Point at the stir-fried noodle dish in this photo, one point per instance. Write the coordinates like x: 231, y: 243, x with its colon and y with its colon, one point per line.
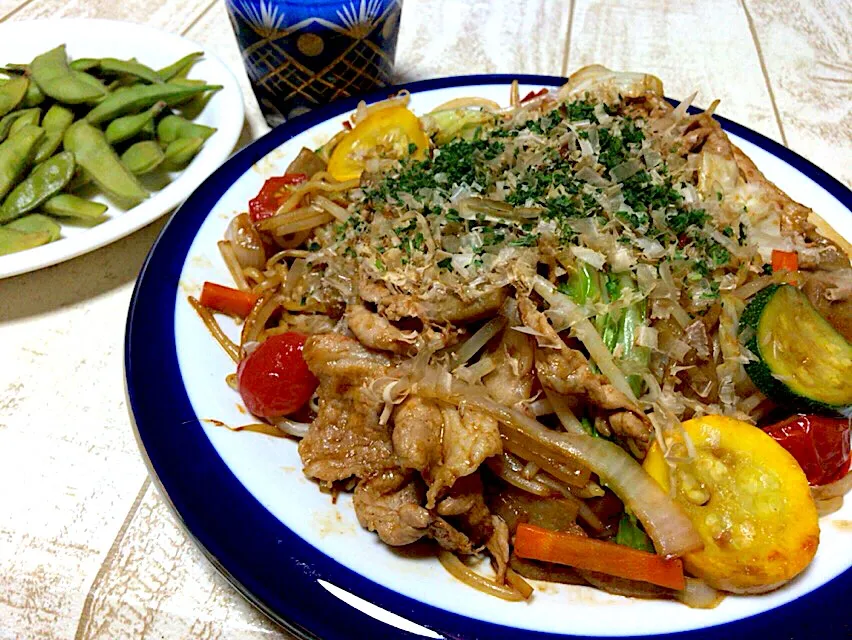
x: 579, y: 339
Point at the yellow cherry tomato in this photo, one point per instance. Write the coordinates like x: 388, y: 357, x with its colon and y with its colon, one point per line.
x: 750, y: 502
x: 386, y: 132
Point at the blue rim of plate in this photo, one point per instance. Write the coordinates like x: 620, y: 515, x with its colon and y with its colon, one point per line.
x: 269, y: 564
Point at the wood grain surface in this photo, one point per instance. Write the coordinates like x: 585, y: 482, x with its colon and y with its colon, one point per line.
x: 88, y: 549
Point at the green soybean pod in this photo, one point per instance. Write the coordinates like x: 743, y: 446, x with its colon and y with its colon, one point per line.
x: 84, y: 64
x: 46, y: 180
x: 6, y: 123
x: 127, y: 127
x: 172, y: 127
x: 55, y: 122
x: 143, y: 157
x: 16, y: 156
x: 37, y: 223
x: 92, y: 151
x: 130, y: 68
x: 12, y: 241
x: 180, y: 152
x: 12, y: 94
x: 34, y: 96
x: 179, y: 67
x: 67, y: 205
x: 25, y: 117
x: 55, y: 78
x: 138, y: 97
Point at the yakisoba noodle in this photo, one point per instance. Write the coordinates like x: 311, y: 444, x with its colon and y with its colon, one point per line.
x: 510, y: 311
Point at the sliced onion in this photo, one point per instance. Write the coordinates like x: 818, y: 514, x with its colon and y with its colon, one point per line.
x: 587, y: 334
x: 563, y: 412
x: 465, y: 574
x: 478, y: 340
x: 699, y: 595
x: 665, y: 522
x: 835, y: 489
x: 758, y: 284
x: 292, y: 428
x: 331, y: 207
x: 297, y: 272
x: 246, y: 242
x: 541, y: 407
x: 828, y: 506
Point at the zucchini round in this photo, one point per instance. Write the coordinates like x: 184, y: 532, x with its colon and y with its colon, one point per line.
x: 801, y: 359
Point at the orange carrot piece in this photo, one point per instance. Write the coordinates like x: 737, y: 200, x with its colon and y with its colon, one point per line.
x: 785, y: 260
x: 231, y: 301
x: 536, y: 543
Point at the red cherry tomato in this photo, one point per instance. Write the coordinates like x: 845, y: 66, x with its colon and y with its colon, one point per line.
x: 272, y: 194
x: 819, y: 444
x: 274, y: 380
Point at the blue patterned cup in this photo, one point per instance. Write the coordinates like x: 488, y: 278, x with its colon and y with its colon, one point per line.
x: 300, y: 55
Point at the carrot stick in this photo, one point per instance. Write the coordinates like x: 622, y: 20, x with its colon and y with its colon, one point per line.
x: 536, y: 543
x: 231, y: 301
x: 786, y: 261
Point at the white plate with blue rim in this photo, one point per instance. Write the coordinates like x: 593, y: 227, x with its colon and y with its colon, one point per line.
x: 303, y: 559
x: 21, y: 41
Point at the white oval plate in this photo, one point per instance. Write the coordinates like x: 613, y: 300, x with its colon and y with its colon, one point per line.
x: 306, y: 560
x: 20, y: 42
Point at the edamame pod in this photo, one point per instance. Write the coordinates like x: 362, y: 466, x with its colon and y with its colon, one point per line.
x: 55, y: 78
x: 92, y: 151
x: 180, y: 67
x: 67, y: 205
x: 12, y: 93
x: 34, y: 96
x: 179, y: 153
x: 172, y: 127
x: 143, y: 157
x: 131, y: 68
x: 84, y: 64
x: 12, y: 241
x: 37, y: 223
x: 127, y: 127
x: 16, y: 156
x: 139, y: 97
x: 46, y: 180
x: 55, y: 122
x: 6, y: 123
x: 25, y: 117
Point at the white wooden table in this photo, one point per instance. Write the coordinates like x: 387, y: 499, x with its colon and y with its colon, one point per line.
x: 87, y: 547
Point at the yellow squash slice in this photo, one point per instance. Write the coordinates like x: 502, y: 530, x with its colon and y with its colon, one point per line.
x: 749, y: 501
x: 391, y: 132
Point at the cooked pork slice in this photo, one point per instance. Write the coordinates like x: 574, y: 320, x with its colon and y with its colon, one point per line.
x: 390, y: 505
x: 831, y: 293
x: 567, y: 371
x: 469, y: 437
x: 345, y: 439
x: 448, y: 309
x: 377, y: 332
x: 512, y: 379
x: 417, y: 432
x: 452, y: 308
x: 498, y: 545
x: 450, y: 538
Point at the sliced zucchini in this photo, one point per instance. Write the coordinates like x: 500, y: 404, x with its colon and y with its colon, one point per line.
x: 802, y: 359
